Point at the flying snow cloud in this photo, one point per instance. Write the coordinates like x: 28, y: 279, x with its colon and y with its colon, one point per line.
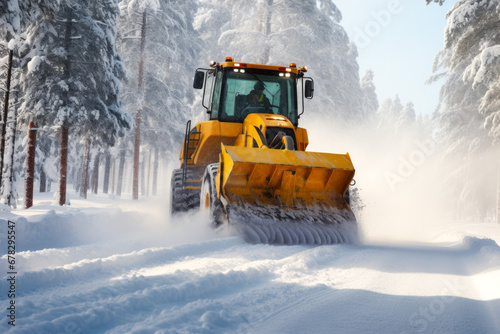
x: 400, y: 178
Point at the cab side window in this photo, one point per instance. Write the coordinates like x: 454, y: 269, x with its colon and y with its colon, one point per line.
x: 216, y: 97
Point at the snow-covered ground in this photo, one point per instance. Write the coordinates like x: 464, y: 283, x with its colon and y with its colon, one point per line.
x: 122, y: 266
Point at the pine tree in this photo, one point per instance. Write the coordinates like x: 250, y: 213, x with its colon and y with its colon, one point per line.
x: 75, y: 80
x: 470, y: 98
x: 10, y: 84
x: 438, y: 1
x: 73, y: 71
x: 471, y: 62
x: 17, y: 15
x: 407, y: 119
x: 285, y: 31
x: 170, y: 55
x: 370, y: 99
x: 389, y: 113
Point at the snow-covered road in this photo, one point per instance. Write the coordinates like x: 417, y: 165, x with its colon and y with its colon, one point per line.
x: 132, y: 274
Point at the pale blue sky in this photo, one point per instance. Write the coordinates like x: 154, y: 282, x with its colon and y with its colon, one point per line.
x: 398, y: 40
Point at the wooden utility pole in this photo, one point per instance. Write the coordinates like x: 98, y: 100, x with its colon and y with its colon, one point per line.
x: 30, y: 167
x: 5, y: 112
x: 137, y: 143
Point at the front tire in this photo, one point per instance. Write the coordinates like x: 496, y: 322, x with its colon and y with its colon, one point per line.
x: 210, y: 204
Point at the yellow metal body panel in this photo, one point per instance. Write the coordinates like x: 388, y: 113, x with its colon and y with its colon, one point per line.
x: 213, y: 133
x: 302, y: 139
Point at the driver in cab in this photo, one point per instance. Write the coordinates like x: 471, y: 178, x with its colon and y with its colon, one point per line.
x: 257, y: 98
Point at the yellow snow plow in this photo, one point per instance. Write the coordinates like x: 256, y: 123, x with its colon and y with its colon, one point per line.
x: 291, y: 179
x: 247, y: 166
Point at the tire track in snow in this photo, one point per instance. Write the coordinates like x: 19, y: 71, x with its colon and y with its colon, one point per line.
x: 98, y: 289
x: 225, y: 285
x: 94, y: 309
x: 115, y: 265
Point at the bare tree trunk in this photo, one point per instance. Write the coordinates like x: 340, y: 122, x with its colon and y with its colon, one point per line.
x: 30, y: 167
x: 155, y: 172
x: 78, y: 177
x: 266, y: 27
x: 5, y: 112
x: 11, y: 196
x: 121, y: 167
x: 95, y: 174
x: 137, y: 143
x: 63, y: 164
x: 143, y: 175
x: 85, y: 170
x: 498, y: 197
x: 43, y: 180
x: 148, y: 181
x: 137, y: 148
x: 113, y: 177
x: 107, y: 168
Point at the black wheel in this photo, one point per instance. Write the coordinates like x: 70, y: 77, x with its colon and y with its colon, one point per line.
x: 209, y: 203
x: 347, y: 197
x: 182, y: 200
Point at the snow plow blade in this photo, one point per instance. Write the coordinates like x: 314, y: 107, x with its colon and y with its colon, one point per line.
x: 273, y: 193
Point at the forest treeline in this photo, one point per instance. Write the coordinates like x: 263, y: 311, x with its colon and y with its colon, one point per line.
x: 105, y: 86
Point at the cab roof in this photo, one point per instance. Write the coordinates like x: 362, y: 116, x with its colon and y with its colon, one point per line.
x: 230, y: 63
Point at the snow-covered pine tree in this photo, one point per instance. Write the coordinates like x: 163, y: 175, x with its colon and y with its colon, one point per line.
x: 471, y: 62
x: 17, y: 15
x: 73, y: 71
x: 470, y: 98
x: 389, y: 115
x: 170, y: 57
x: 9, y: 81
x: 285, y: 31
x: 75, y: 82
x: 408, y: 117
x: 10, y: 18
x: 370, y: 99
x: 475, y: 27
x: 438, y: 1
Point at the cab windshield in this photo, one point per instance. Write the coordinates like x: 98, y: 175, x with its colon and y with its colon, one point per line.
x: 245, y: 91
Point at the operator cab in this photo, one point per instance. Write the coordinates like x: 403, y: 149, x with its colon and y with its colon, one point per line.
x: 233, y: 93
x: 232, y: 99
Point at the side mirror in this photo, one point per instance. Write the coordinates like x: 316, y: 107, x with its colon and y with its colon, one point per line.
x: 199, y: 80
x: 309, y: 89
